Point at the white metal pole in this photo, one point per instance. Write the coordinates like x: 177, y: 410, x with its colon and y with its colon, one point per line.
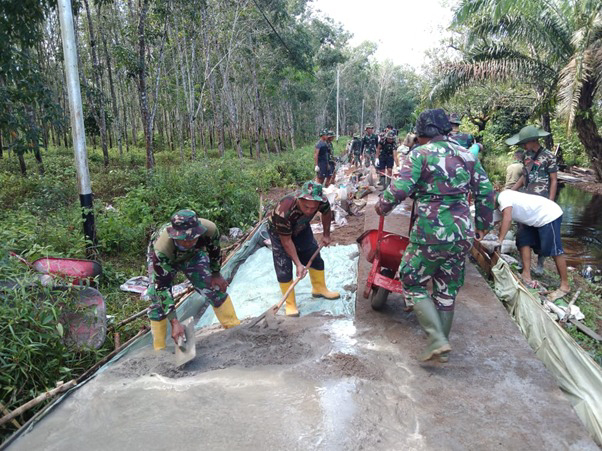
x: 77, y: 117
x: 337, y: 132
x: 362, y: 121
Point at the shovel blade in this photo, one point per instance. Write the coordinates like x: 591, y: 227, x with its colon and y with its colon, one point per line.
x: 187, y: 351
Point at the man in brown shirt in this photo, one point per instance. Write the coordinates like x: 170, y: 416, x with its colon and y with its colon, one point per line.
x: 514, y: 170
x: 293, y: 241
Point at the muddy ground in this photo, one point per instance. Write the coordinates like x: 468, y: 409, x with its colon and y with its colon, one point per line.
x: 331, y: 383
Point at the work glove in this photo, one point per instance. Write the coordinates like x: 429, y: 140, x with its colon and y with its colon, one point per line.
x: 317, y: 168
x: 376, y: 162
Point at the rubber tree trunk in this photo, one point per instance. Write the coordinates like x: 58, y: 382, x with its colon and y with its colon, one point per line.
x: 113, y: 96
x: 587, y: 129
x: 142, y: 89
x: 545, y: 123
x: 22, y: 165
x: 101, y: 115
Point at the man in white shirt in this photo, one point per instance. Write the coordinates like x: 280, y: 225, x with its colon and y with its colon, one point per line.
x: 541, y: 218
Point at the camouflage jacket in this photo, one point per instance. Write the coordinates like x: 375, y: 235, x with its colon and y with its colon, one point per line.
x: 387, y: 148
x: 538, y: 167
x: 165, y: 256
x: 464, y: 139
x: 439, y: 176
x: 369, y: 143
x: 287, y: 218
x: 356, y: 146
x: 330, y: 151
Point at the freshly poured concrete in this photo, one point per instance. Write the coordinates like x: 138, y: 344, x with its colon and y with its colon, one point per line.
x: 320, y: 382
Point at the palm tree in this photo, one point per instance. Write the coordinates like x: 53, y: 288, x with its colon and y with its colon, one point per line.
x: 554, y: 46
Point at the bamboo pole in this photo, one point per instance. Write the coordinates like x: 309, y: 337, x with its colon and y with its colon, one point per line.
x: 178, y: 299
x: 108, y: 357
x: 13, y: 421
x: 37, y: 400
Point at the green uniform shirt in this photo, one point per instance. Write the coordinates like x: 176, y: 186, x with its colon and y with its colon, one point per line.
x: 440, y: 175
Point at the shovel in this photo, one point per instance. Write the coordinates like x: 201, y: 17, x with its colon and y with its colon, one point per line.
x: 274, y: 309
x: 186, y: 347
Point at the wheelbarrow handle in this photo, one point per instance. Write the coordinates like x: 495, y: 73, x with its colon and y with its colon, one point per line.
x: 21, y: 259
x: 379, y: 236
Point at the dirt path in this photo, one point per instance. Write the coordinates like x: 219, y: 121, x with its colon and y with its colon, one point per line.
x: 319, y: 382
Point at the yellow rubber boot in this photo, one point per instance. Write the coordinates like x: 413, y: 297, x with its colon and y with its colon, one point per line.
x: 318, y: 285
x: 291, y: 304
x: 159, y: 332
x: 226, y: 315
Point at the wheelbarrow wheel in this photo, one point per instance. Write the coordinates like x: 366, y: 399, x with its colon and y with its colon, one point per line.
x: 378, y: 296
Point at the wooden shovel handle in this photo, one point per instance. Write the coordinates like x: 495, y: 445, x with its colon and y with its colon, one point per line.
x: 277, y: 306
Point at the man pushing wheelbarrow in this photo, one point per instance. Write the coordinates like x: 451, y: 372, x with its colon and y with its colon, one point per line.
x: 439, y: 174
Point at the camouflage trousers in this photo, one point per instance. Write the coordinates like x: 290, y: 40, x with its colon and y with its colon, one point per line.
x: 443, y: 263
x: 369, y: 157
x: 197, y: 271
x: 305, y: 245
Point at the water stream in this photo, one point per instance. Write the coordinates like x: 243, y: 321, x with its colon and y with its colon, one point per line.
x: 582, y: 230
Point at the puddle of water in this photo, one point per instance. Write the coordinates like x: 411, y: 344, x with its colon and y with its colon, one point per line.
x: 581, y: 228
x: 342, y: 332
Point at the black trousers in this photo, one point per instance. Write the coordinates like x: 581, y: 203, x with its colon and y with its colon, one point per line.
x: 305, y: 244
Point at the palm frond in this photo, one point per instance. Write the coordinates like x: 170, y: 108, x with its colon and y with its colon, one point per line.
x: 584, y: 64
x: 456, y: 76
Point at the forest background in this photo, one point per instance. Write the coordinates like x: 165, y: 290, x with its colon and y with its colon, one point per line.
x: 209, y: 104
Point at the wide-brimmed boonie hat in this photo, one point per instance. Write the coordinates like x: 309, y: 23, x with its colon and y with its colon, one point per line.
x: 185, y: 225
x: 526, y: 134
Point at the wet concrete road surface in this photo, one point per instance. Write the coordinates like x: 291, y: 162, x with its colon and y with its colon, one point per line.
x: 328, y: 383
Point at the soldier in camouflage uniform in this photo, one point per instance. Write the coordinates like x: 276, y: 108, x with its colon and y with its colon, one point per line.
x: 331, y: 160
x: 321, y: 158
x: 356, y: 151
x: 369, y: 143
x: 464, y: 139
x: 540, y: 171
x: 386, y: 155
x: 190, y: 245
x: 439, y: 175
x: 293, y: 241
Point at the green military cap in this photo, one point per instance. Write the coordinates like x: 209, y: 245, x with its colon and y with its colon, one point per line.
x: 312, y: 191
x: 324, y: 132
x: 454, y: 118
x: 369, y: 126
x: 185, y: 225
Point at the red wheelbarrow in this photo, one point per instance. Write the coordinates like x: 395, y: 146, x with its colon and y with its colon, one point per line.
x: 384, y: 250
x: 75, y: 271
